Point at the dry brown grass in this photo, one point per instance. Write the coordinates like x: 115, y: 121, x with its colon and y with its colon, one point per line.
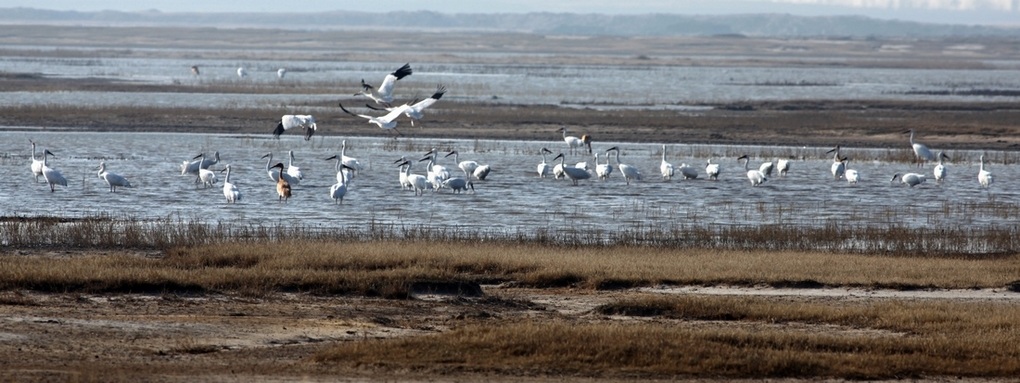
x: 863, y: 340
x: 857, y: 234
x: 392, y: 268
x: 633, y: 337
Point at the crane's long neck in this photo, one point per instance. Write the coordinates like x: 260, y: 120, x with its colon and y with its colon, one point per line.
x: 343, y: 149
x: 663, y: 153
x: 226, y: 179
x: 543, y: 157
x: 33, y: 151
x: 911, y: 137
x: 269, y: 161
x: 456, y: 157
x: 746, y: 161
x: 290, y: 161
x: 618, y: 157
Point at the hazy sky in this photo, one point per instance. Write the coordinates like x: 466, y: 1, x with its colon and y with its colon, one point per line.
x: 941, y: 11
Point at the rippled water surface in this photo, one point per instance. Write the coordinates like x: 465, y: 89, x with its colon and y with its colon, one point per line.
x: 512, y: 198
x: 545, y: 84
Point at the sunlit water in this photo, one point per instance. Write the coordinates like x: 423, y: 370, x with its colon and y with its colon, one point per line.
x: 513, y: 197
x: 516, y: 84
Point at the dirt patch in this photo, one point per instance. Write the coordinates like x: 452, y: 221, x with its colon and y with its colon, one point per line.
x: 230, y: 338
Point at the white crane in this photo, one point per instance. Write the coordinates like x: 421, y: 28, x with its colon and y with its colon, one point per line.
x: 37, y: 165
x: 766, y: 168
x: 435, y: 174
x: 51, y: 175
x: 113, y: 180
x: 629, y: 172
x: 712, y: 170
x: 921, y: 152
x: 940, y: 169
x: 418, y: 182
x: 543, y: 167
x: 468, y: 167
x: 339, y: 189
x: 912, y: 179
x: 385, y: 122
x: 294, y: 171
x: 199, y: 162
x: 571, y: 172
x: 241, y: 72
x: 557, y: 171
x: 688, y: 171
x: 290, y: 121
x: 457, y: 185
x: 384, y: 95
x: 754, y: 175
x: 481, y: 172
x: 665, y: 168
x: 441, y: 172
x: 984, y: 176
x: 416, y: 110
x: 275, y: 176
x: 230, y: 191
x: 603, y: 171
x: 351, y: 162
x: 404, y: 182
x: 838, y: 167
x: 281, y: 72
x: 572, y: 141
x: 850, y: 174
x: 205, y: 176
x: 343, y: 172
x: 783, y: 165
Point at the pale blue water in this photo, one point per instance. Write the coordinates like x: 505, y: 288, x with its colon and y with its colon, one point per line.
x: 512, y: 198
x: 515, y: 84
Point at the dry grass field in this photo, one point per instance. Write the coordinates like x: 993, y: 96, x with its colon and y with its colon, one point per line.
x: 97, y: 301
x: 184, y: 303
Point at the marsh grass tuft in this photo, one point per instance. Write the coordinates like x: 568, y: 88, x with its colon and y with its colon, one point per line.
x: 774, y: 339
x: 108, y: 232
x: 397, y: 269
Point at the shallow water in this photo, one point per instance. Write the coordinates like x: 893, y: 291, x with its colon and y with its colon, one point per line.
x: 513, y: 198
x: 515, y: 84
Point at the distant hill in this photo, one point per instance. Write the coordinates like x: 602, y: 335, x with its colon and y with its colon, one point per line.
x: 755, y: 25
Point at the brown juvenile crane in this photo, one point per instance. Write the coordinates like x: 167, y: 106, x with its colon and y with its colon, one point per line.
x: 282, y: 186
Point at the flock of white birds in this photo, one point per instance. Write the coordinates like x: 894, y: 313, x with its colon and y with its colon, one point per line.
x: 438, y: 177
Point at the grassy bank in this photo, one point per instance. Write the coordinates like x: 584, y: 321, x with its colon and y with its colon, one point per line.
x: 723, y: 338
x: 510, y: 332
x: 256, y: 260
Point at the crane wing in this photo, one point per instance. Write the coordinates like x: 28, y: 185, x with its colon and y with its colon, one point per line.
x: 386, y: 88
x: 440, y: 91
